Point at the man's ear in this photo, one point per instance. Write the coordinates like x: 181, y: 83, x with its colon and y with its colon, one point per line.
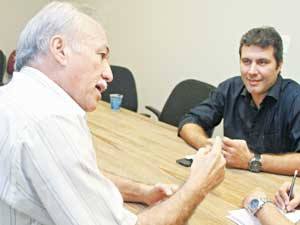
x: 279, y: 66
x: 57, y: 47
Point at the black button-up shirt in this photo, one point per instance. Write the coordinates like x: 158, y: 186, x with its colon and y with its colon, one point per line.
x: 274, y: 127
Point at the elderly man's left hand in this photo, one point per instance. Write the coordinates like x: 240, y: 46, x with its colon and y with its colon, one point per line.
x: 236, y: 153
x: 159, y: 192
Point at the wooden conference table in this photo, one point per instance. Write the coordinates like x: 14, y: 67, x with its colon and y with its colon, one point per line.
x: 134, y: 146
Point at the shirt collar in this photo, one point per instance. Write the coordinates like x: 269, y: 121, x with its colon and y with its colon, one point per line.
x: 43, y: 80
x: 273, y: 92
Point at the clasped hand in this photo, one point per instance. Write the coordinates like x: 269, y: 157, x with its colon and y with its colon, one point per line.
x: 236, y: 153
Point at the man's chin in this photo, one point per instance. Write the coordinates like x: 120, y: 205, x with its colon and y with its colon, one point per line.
x: 257, y: 92
x: 90, y: 108
x: 253, y: 89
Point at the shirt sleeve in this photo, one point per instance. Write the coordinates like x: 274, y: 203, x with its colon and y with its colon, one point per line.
x: 295, y: 124
x: 58, y: 161
x: 207, y: 114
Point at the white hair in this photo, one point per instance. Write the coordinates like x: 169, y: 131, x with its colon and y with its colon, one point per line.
x: 56, y: 18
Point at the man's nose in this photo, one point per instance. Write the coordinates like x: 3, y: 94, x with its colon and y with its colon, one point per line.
x: 253, y: 68
x: 107, y: 73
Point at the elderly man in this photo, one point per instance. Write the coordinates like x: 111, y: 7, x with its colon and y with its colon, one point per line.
x: 48, y: 170
x: 261, y: 110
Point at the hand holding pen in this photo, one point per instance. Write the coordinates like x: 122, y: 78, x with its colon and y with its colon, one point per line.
x: 286, y: 197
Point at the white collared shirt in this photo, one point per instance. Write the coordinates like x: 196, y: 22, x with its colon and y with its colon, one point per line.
x: 48, y: 170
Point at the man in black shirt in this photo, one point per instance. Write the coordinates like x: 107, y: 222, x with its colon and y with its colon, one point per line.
x: 261, y: 110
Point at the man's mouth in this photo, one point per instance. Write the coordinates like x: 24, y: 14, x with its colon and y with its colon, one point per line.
x: 99, y: 88
x: 253, y: 82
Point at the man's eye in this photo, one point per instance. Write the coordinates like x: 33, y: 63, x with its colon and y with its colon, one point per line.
x: 262, y: 62
x: 102, y: 55
x: 246, y: 61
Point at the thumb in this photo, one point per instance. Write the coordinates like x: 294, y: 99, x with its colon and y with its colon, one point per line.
x: 166, y: 189
x: 292, y: 204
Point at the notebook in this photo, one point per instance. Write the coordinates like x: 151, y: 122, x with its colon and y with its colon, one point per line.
x: 242, y: 217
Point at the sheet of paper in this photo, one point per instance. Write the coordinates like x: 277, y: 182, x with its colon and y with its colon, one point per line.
x: 242, y: 217
x: 293, y: 216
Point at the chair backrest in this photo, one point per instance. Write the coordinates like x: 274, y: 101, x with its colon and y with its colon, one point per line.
x: 11, y: 63
x: 123, y: 83
x: 2, y: 66
x: 184, y: 96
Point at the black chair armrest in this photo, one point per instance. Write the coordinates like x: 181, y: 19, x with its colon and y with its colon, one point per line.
x: 154, y: 110
x: 146, y: 114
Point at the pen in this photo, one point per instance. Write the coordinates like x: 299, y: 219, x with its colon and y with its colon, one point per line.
x: 292, y: 185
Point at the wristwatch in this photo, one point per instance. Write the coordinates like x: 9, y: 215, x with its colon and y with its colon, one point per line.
x: 255, y: 205
x: 255, y: 163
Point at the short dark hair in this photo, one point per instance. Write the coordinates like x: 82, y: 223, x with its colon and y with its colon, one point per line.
x: 264, y: 37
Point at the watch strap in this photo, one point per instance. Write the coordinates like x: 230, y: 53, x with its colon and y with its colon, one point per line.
x: 257, y: 156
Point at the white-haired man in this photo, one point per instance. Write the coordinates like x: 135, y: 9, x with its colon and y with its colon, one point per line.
x: 48, y: 171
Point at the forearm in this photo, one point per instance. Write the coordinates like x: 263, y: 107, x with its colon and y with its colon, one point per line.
x: 270, y: 215
x: 281, y: 164
x: 194, y: 135
x: 176, y: 210
x: 131, y: 191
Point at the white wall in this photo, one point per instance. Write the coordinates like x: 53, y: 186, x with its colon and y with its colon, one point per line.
x: 166, y: 41
x: 14, y: 15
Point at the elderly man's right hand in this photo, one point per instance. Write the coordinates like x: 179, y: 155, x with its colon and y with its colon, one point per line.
x: 208, y: 168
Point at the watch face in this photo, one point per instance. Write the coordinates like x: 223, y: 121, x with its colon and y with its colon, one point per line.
x: 254, y: 203
x: 255, y: 166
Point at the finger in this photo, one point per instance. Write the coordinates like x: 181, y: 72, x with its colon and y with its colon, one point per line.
x: 217, y: 145
x: 215, y: 154
x: 205, y: 149
x: 200, y: 152
x: 245, y: 201
x: 166, y: 189
x: 170, y: 189
x: 225, y: 154
x: 174, y: 188
x: 227, y: 141
x: 285, y: 187
x: 210, y: 141
x: 283, y: 192
x: 279, y: 201
x: 228, y: 149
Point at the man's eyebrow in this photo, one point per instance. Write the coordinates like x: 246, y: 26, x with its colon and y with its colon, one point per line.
x: 105, y: 49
